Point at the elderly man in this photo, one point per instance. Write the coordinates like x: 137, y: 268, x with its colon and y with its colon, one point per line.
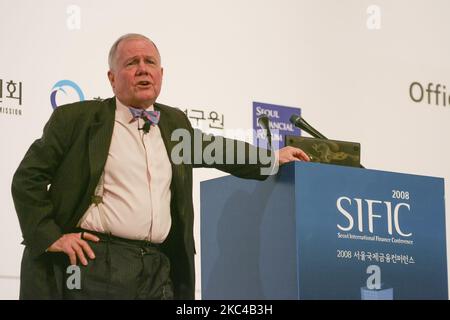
x: 100, y: 190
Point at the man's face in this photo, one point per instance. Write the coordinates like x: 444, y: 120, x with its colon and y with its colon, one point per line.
x: 136, y: 73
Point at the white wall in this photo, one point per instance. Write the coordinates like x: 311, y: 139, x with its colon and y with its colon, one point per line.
x: 352, y: 82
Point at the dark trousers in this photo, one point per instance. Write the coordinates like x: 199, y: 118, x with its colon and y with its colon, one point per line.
x: 122, y: 269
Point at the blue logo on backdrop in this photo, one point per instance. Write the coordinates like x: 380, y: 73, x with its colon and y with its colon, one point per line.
x: 279, y: 123
x: 62, y: 86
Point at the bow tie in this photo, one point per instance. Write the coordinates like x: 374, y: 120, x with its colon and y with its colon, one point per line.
x: 149, y: 117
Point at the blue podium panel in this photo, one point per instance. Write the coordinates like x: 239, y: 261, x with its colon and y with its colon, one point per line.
x: 324, y: 232
x: 248, y: 238
x: 349, y: 219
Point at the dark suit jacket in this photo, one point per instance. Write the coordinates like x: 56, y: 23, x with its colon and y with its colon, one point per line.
x: 53, y: 186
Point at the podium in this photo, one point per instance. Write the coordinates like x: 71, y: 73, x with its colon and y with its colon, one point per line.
x: 317, y: 231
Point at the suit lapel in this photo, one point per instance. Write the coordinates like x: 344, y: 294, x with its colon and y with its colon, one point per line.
x: 99, y: 139
x: 100, y: 134
x: 167, y: 126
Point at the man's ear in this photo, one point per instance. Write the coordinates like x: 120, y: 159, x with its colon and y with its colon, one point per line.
x: 111, y: 78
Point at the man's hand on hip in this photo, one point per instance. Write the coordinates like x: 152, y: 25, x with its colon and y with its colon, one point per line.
x: 74, y: 245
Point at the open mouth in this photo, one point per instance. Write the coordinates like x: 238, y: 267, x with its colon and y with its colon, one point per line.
x: 144, y: 83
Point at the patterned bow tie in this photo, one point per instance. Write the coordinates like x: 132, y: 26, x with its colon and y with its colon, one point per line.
x: 149, y: 117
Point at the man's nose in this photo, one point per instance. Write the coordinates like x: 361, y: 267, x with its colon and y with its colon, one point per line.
x: 142, y: 68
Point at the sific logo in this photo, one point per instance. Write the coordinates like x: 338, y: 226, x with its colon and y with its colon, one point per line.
x: 69, y: 88
x: 371, y: 218
x: 389, y: 212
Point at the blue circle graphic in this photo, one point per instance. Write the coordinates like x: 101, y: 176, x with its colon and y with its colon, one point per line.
x: 59, y: 86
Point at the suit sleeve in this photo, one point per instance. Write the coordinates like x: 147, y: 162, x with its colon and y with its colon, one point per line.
x: 236, y: 157
x: 31, y: 182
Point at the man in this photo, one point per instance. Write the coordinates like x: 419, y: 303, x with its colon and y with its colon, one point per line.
x: 100, y: 189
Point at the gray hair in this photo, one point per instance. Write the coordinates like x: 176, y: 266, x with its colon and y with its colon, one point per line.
x: 113, y: 50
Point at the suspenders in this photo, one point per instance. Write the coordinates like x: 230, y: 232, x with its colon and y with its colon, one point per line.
x: 97, y: 198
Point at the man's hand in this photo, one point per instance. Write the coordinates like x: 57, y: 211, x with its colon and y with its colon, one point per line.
x: 288, y: 154
x: 74, y: 246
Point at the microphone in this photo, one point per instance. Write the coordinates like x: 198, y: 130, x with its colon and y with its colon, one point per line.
x: 299, y: 122
x: 146, y: 126
x: 264, y: 123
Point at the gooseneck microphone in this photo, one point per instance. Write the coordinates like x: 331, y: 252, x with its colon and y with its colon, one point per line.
x: 264, y: 123
x: 299, y: 122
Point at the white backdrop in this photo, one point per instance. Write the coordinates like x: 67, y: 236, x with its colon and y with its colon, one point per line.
x: 348, y: 64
